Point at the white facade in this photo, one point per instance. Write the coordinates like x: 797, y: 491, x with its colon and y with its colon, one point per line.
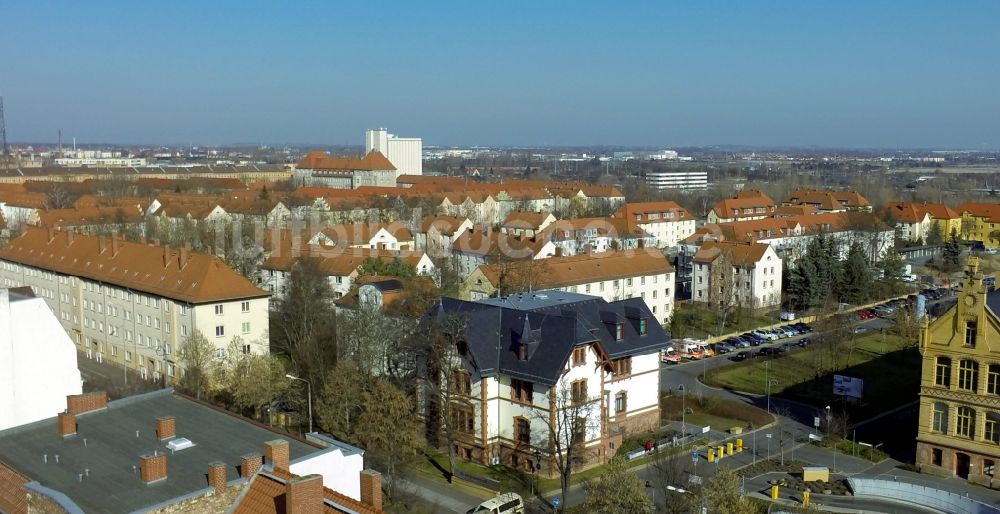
x: 37, y: 361
x: 656, y: 290
x: 405, y: 153
x: 756, y: 285
x: 139, y: 330
x: 340, y: 465
x: 668, y: 232
x: 677, y: 179
x: 110, y: 162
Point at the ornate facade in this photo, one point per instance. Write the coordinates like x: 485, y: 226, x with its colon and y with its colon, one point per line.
x: 959, y: 427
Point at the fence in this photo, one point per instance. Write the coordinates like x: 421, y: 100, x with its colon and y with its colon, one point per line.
x: 920, y: 495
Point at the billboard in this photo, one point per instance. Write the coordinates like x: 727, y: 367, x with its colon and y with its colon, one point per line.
x: 848, y: 386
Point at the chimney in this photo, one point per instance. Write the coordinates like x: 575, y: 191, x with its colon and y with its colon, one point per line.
x: 217, y: 476
x: 101, y: 244
x: 304, y: 495
x: 67, y: 424
x: 559, y: 251
x: 80, y: 403
x: 166, y: 255
x: 142, y: 239
x: 166, y: 428
x: 69, y: 238
x: 588, y: 249
x: 371, y: 489
x: 276, y: 454
x: 250, y: 464
x: 522, y: 352
x: 116, y: 244
x: 52, y: 233
x: 184, y: 254
x: 642, y: 243
x: 153, y: 467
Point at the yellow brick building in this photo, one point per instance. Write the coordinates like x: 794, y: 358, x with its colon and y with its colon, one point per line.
x: 959, y: 428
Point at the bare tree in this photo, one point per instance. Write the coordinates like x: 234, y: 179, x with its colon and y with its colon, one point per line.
x: 723, y: 288
x: 567, y: 422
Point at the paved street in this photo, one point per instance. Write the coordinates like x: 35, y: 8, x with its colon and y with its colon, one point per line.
x: 789, y: 439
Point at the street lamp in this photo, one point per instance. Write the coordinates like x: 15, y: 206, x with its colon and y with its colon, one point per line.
x: 768, y: 436
x: 309, y: 396
x: 770, y: 383
x: 683, y: 410
x: 829, y: 430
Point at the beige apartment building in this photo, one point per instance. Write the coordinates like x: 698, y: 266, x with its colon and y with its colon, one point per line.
x: 136, y: 304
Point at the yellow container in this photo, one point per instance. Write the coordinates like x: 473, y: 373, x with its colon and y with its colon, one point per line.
x: 774, y: 492
x: 711, y: 455
x: 739, y: 445
x: 805, y: 498
x: 729, y: 448
x: 722, y: 451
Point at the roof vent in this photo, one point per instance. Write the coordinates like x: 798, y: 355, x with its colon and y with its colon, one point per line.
x: 180, y: 443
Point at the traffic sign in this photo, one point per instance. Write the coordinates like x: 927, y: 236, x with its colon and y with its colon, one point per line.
x: 555, y: 501
x: 694, y: 456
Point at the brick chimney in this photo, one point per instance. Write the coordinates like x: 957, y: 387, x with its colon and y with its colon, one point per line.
x: 304, y: 495
x: 166, y: 255
x: 69, y: 238
x: 217, y: 476
x: 102, y: 244
x: 371, y: 488
x: 153, y: 467
x: 80, y: 403
x: 67, y: 424
x: 276, y: 453
x: 52, y: 233
x: 185, y: 251
x: 166, y: 428
x: 116, y: 244
x: 250, y: 464
x: 559, y: 251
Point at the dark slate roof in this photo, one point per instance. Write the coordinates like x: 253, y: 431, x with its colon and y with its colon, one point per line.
x: 552, y: 324
x: 113, y: 449
x: 993, y: 301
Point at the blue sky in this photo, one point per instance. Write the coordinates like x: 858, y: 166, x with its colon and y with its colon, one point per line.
x: 766, y: 73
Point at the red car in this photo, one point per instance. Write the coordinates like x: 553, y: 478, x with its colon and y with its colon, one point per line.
x: 670, y: 357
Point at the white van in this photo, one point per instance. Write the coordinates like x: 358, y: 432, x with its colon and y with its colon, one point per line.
x: 506, y: 503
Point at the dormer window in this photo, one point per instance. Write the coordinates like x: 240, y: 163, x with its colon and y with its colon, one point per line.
x: 642, y: 326
x: 619, y: 331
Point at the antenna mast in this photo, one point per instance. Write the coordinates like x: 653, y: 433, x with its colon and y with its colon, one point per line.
x: 4, y: 151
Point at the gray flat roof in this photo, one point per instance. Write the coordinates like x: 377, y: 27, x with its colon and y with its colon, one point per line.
x: 113, y: 449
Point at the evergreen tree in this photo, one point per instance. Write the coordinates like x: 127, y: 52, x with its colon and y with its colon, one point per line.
x: 952, y: 253
x: 934, y: 235
x: 855, y: 276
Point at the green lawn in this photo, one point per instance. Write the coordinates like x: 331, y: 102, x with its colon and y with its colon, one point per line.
x: 890, y: 372
x: 700, y: 322
x: 848, y: 447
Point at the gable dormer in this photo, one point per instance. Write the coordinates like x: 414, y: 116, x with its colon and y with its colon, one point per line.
x: 615, y: 323
x: 528, y: 340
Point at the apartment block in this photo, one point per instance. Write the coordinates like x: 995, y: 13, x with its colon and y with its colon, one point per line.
x: 136, y: 304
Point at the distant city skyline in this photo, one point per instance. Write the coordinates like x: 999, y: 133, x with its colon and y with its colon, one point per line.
x: 876, y: 75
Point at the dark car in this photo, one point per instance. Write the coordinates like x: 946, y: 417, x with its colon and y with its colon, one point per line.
x: 803, y: 342
x: 753, y: 337
x: 741, y: 356
x: 721, y: 348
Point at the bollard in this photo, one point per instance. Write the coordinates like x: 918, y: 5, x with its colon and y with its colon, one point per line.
x: 739, y: 445
x: 711, y: 455
x: 774, y: 492
x: 729, y: 448
x: 722, y: 451
x: 805, y: 498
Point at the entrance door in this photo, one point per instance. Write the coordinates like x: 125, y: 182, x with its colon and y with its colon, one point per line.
x: 962, y: 465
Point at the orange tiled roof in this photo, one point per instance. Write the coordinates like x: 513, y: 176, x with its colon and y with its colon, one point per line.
x: 526, y: 219
x: 151, y: 269
x: 89, y: 216
x: 827, y: 199
x: 905, y: 212
x: 488, y: 242
x: 940, y: 211
x: 362, y: 233
x: 323, y: 161
x: 990, y: 211
x: 743, y: 254
x: 444, y: 224
x: 585, y: 268
x: 727, y: 208
x: 612, y: 227
x: 643, y: 210
x: 266, y: 495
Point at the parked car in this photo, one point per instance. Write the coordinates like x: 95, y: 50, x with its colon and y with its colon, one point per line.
x: 860, y: 330
x: 737, y: 342
x: 803, y: 342
x: 806, y: 328
x: 722, y: 348
x: 741, y: 356
x: 753, y: 336
x: 670, y: 357
x: 766, y: 334
x: 787, y: 316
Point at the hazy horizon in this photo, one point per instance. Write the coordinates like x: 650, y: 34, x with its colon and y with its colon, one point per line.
x: 785, y: 75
